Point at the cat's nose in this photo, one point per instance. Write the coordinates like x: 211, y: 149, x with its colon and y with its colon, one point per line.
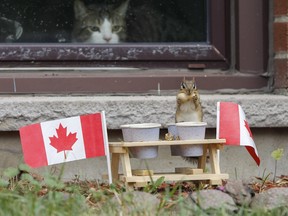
x: 107, y: 38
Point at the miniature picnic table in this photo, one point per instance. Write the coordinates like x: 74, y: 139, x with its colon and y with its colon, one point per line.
x: 120, y: 151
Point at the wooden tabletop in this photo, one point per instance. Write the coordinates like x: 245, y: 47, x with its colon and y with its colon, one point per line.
x: 165, y: 142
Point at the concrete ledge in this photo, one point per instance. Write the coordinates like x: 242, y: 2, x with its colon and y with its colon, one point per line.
x: 263, y: 110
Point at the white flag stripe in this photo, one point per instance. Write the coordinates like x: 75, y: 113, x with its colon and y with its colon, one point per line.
x: 49, y: 130
x: 245, y: 137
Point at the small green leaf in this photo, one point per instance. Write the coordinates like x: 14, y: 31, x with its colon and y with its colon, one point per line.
x: 3, y: 183
x: 54, y: 183
x: 159, y: 181
x: 11, y: 172
x: 24, y: 167
x: 277, y: 154
x: 30, y: 179
x: 27, y: 177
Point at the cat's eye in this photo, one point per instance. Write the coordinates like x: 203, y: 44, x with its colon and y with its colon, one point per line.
x: 94, y: 28
x: 116, y: 28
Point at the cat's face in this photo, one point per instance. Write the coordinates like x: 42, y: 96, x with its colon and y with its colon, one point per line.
x: 99, y: 23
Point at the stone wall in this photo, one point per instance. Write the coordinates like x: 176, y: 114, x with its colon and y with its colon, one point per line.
x: 262, y: 110
x: 267, y: 115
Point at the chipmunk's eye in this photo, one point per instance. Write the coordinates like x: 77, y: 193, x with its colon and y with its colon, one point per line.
x: 183, y: 85
x: 194, y: 86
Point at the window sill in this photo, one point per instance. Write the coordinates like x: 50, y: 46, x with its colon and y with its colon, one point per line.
x: 262, y: 110
x: 121, y: 81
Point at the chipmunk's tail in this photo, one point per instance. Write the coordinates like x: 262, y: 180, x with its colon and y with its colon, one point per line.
x: 194, y: 160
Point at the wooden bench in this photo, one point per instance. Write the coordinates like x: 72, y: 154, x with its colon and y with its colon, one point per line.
x: 120, y: 152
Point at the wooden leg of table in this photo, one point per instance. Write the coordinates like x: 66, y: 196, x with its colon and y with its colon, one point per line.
x: 215, y: 168
x: 115, y: 166
x: 127, y: 171
x: 202, y: 159
x: 126, y: 165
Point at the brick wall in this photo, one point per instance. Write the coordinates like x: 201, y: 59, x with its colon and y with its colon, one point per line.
x: 281, y: 43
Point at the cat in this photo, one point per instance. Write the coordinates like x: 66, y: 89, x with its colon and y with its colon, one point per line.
x: 99, y: 23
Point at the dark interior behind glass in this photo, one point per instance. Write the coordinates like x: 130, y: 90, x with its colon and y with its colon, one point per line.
x: 51, y: 21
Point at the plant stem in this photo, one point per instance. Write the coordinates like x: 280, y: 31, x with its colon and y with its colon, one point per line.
x: 275, y: 169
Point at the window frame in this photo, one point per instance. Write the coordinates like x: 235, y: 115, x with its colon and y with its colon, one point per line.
x: 161, y: 64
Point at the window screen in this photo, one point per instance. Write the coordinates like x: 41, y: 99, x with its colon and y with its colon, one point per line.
x: 112, y: 21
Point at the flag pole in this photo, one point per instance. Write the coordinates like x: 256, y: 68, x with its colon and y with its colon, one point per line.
x: 217, y: 130
x: 106, y: 145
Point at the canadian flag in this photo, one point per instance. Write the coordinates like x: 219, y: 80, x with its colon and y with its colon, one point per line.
x: 232, y: 126
x: 64, y: 140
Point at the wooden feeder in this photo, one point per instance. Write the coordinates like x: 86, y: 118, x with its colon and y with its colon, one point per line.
x: 120, y: 152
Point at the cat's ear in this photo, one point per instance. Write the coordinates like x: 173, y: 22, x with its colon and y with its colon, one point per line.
x: 121, y: 10
x: 79, y: 9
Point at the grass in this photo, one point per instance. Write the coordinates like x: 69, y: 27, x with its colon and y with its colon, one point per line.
x: 24, y: 193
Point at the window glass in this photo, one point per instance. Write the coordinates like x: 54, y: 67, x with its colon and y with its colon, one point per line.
x: 100, y: 21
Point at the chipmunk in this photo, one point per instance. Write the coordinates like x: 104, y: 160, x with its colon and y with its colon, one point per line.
x: 188, y: 103
x: 189, y: 107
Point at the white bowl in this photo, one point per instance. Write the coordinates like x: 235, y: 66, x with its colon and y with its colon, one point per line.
x: 190, y: 131
x: 139, y: 133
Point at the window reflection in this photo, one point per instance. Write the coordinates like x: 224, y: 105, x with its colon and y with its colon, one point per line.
x: 100, y: 21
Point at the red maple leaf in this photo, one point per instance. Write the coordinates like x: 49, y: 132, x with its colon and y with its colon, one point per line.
x: 248, y: 128
x: 63, y: 142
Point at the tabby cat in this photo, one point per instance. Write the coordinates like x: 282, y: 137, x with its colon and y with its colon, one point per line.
x: 99, y: 23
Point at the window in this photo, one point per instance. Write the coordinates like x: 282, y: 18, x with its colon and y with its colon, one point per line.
x: 43, y: 50
x: 35, y: 21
